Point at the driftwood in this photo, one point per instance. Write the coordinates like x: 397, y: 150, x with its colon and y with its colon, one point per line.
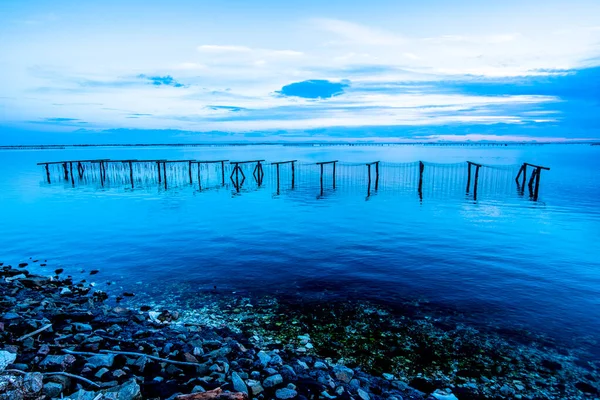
x: 174, y: 362
x: 216, y: 394
x: 43, y: 328
x: 81, y: 378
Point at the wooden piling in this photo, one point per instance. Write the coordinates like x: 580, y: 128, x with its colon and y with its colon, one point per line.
x: 80, y: 169
x: 222, y: 173
x: 369, y: 181
x: 277, y: 167
x: 538, y: 172
x: 47, y: 172
x: 376, y: 175
x: 190, y: 172
x: 321, y: 179
x: 476, y: 181
x: 421, y: 169
x: 66, y: 171
x: 71, y: 171
x: 131, y: 173
x: 165, y: 173
x: 293, y: 175
x: 469, y: 177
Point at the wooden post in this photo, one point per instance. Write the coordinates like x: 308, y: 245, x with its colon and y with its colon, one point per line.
x: 321, y: 179
x: 190, y: 171
x: 369, y: 184
x: 80, y: 169
x: 72, y: 177
x: 469, y: 177
x: 538, y: 172
x: 199, y: 181
x: 524, y: 177
x: 293, y: 175
x: 277, y: 167
x: 47, y: 172
x: 158, y: 169
x: 476, y: 181
x: 421, y: 169
x: 101, y: 166
x: 376, y: 176
x: 131, y: 173
x: 66, y: 171
x: 334, y: 163
x: 530, y: 184
x: 222, y: 173
x: 165, y: 173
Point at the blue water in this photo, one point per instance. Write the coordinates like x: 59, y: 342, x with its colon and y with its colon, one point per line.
x: 502, y: 259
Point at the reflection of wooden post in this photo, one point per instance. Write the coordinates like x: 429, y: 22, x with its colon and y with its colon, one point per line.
x: 47, y: 173
x: 66, y: 171
x: 80, y: 169
x: 421, y: 169
x: 131, y: 173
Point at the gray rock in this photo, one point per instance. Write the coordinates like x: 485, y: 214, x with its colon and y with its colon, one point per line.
x: 52, y: 389
x: 363, y: 395
x: 6, y: 358
x: 273, y: 380
x: 128, y: 391
x: 10, y: 316
x: 33, y: 383
x: 276, y: 360
x: 441, y: 395
x: 264, y: 358
x: 57, y: 361
x: 507, y: 391
x: 388, y: 377
x: 65, y: 291
x: 100, y: 360
x: 255, y: 386
x: 81, y: 327
x: 198, y: 389
x: 355, y: 383
x: 285, y: 393
x: 101, y: 372
x: 238, y: 383
x: 320, y: 365
x: 288, y: 373
x: 343, y: 373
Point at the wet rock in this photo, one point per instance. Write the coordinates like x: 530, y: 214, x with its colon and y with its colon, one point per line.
x: 94, y: 272
x: 52, y: 389
x: 285, y: 393
x: 288, y: 373
x: 363, y: 395
x: 23, y: 265
x: 238, y: 383
x: 343, y: 373
x: 255, y: 386
x: 6, y: 358
x: 33, y: 383
x: 66, y: 291
x: 264, y: 358
x: 441, y: 395
x: 57, y: 361
x: 81, y: 327
x: 273, y: 380
x: 320, y: 365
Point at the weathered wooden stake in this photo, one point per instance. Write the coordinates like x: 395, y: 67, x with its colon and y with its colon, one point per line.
x: 47, y: 173
x: 277, y: 167
x: 334, y: 163
x: 165, y: 173
x: 476, y: 181
x: 199, y: 181
x: 421, y: 169
x: 80, y: 169
x: 66, y: 171
x: 369, y: 183
x: 158, y: 169
x: 321, y: 179
x: 190, y: 171
x: 222, y: 173
x: 377, y: 176
x: 131, y: 173
x: 293, y: 175
x: 71, y: 171
x: 538, y: 172
x: 469, y: 177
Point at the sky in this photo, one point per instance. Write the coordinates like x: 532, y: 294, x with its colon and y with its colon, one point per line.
x: 264, y: 70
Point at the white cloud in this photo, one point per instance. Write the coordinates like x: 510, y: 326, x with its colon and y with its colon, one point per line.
x: 224, y: 49
x: 358, y: 34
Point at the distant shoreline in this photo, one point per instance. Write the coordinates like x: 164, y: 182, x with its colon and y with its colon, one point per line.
x: 298, y: 144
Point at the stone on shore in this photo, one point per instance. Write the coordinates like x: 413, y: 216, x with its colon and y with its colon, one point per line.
x: 6, y: 358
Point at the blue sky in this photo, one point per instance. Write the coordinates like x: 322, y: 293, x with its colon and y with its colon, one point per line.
x: 147, y: 71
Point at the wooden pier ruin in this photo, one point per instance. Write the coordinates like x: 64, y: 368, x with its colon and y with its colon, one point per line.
x: 206, y: 174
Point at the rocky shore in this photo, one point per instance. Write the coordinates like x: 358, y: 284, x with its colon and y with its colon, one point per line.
x: 66, y: 339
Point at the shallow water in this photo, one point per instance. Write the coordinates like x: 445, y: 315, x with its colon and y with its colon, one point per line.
x: 501, y: 259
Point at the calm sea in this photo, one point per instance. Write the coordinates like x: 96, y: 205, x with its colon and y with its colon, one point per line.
x: 503, y: 258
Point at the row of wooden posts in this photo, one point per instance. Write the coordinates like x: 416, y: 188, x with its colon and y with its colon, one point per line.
x: 238, y: 177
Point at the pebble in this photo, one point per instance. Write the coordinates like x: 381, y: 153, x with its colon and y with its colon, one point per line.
x: 363, y: 395
x: 6, y: 358
x: 238, y: 383
x: 343, y: 373
x: 255, y: 386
